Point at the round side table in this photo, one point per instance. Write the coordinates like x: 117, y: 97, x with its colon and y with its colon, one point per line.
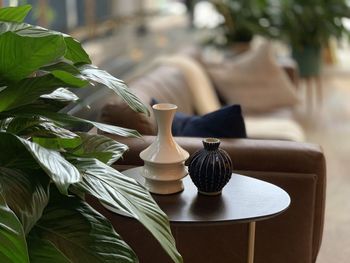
x: 243, y: 200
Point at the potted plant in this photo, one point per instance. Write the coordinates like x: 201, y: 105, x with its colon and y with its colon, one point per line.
x: 46, y: 169
x: 239, y: 19
x: 307, y: 26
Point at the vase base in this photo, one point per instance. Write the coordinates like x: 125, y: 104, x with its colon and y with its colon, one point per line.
x: 163, y: 187
x: 209, y: 193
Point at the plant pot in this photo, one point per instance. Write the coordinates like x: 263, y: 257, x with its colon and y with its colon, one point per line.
x: 164, y: 159
x: 210, y: 168
x: 309, y: 60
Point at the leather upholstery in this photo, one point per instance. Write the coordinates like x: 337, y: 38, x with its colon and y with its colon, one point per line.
x: 293, y: 237
x: 299, y: 168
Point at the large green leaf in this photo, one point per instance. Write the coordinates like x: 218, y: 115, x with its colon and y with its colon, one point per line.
x: 30, y: 89
x: 127, y: 196
x: 13, y: 246
x: 38, y: 127
x: 97, y: 75
x: 26, y: 193
x: 69, y: 79
x: 41, y: 104
x: 44, y: 132
x: 43, y: 251
x: 68, y: 120
x: 12, y: 27
x: 21, y: 56
x: 80, y: 233
x: 61, y: 65
x: 14, y: 14
x: 100, y: 147
x: 23, y: 154
x: 74, y: 51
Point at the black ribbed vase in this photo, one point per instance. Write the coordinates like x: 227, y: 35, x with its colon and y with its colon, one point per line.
x: 210, y: 168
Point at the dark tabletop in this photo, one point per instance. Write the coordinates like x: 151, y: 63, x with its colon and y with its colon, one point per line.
x: 243, y: 199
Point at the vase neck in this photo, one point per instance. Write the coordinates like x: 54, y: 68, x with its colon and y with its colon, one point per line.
x: 211, y: 144
x: 164, y: 114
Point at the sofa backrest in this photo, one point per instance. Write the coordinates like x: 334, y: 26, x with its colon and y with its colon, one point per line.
x: 165, y: 84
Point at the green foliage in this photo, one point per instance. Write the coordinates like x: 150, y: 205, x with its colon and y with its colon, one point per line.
x: 13, y: 246
x: 240, y: 17
x: 299, y: 22
x: 304, y: 23
x: 46, y: 169
x: 15, y: 14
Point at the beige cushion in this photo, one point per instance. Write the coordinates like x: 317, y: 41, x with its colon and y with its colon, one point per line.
x: 204, y: 96
x: 254, y: 80
x: 273, y: 128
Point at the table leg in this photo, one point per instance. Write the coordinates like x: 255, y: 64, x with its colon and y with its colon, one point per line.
x: 251, y: 242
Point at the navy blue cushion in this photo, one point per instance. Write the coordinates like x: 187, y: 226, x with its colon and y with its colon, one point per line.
x: 226, y: 122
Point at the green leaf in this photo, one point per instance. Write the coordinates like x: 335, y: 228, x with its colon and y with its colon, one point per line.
x: 75, y: 51
x: 100, y: 147
x: 26, y: 30
x: 21, y: 56
x: 41, y: 104
x: 26, y: 193
x: 69, y: 79
x: 68, y: 120
x: 14, y: 14
x: 80, y: 233
x: 20, y: 126
x: 38, y: 127
x: 13, y: 244
x: 115, y: 129
x: 23, y: 154
x: 61, y: 66
x: 4, y: 123
x: 127, y: 196
x: 100, y: 76
x: 61, y: 94
x: 44, y: 132
x: 30, y: 89
x: 43, y: 251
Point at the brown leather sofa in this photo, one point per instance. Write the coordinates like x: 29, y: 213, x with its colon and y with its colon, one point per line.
x: 293, y: 237
x: 299, y: 168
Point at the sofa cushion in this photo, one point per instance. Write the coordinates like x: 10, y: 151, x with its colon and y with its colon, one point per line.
x: 254, y: 80
x: 226, y: 122
x: 273, y: 128
x: 204, y: 96
x: 166, y: 83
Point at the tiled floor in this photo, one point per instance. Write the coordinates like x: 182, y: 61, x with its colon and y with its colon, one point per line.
x: 329, y: 126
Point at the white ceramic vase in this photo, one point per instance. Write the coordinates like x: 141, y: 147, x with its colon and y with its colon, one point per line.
x: 164, y: 159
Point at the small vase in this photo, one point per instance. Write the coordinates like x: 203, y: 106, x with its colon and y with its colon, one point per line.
x: 164, y: 159
x: 210, y: 168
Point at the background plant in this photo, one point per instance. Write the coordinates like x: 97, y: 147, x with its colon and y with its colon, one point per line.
x: 46, y: 169
x: 240, y: 18
x: 304, y: 22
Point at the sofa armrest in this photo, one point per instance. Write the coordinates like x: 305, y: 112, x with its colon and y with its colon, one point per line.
x: 299, y: 168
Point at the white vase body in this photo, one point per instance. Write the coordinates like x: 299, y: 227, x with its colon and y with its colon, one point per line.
x: 164, y: 159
